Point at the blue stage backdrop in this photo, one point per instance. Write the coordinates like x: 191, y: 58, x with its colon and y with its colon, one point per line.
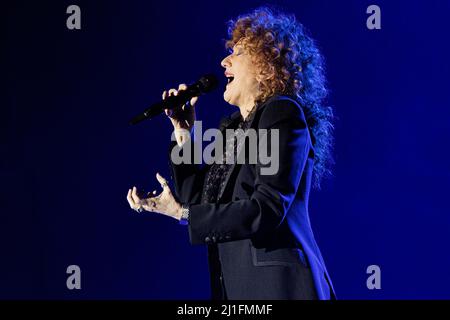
x: 68, y: 155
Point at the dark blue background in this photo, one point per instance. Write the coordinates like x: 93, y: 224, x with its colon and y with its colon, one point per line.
x: 68, y: 155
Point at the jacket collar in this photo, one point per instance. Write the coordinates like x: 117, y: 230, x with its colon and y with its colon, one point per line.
x: 235, y: 116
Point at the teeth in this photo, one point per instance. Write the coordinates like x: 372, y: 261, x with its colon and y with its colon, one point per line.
x: 230, y: 79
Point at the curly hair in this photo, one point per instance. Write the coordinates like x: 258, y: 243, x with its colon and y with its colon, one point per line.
x: 289, y: 63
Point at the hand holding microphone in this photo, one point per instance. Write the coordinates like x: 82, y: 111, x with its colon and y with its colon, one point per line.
x: 182, y: 117
x: 171, y: 101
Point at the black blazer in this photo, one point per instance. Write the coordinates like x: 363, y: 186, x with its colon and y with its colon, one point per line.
x: 260, y: 242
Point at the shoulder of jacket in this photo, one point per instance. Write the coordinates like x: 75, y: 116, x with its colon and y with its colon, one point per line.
x: 282, y: 105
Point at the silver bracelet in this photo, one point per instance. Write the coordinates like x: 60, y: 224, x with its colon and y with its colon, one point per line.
x: 184, y: 214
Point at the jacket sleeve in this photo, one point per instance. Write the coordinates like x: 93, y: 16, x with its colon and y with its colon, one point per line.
x: 273, y: 194
x: 188, y: 177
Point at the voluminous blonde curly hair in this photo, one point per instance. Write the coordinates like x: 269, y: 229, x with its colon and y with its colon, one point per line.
x: 289, y: 63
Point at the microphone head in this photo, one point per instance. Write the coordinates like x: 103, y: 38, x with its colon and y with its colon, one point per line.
x: 207, y: 83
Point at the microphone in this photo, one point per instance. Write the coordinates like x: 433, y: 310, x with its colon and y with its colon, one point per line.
x: 206, y: 84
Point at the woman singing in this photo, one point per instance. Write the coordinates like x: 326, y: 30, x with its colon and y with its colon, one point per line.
x: 255, y: 225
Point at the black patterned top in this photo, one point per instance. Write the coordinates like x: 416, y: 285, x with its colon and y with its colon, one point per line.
x: 216, y: 176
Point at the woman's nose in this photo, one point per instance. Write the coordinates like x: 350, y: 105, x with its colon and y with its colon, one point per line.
x: 226, y: 62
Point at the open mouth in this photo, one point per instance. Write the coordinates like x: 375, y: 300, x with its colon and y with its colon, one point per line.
x: 229, y: 79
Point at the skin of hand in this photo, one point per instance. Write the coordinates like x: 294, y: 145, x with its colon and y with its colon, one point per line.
x: 182, y: 117
x: 164, y: 203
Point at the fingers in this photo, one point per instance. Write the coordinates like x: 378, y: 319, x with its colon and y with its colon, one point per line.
x: 162, y: 181
x: 135, y: 205
x: 130, y: 199
x: 173, y: 91
x: 153, y: 202
x: 182, y: 87
x: 193, y: 101
x: 165, y: 94
x: 149, y: 204
x: 168, y: 112
x: 135, y: 197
